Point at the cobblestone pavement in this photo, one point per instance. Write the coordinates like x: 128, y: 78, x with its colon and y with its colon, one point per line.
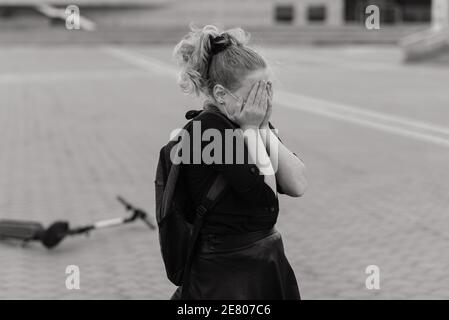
x: 79, y: 125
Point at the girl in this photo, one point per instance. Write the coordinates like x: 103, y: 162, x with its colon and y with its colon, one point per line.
x: 240, y: 254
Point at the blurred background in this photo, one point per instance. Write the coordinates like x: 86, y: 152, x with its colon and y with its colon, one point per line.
x: 83, y: 114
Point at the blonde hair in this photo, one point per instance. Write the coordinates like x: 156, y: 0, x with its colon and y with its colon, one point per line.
x: 202, y: 69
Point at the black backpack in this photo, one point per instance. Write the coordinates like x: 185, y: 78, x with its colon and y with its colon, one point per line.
x: 178, y: 223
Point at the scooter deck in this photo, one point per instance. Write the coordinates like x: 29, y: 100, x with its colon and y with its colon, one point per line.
x: 20, y: 230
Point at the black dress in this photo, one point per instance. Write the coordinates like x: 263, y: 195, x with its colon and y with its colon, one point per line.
x: 240, y: 255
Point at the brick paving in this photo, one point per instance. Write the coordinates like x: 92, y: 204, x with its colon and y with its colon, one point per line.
x: 79, y: 126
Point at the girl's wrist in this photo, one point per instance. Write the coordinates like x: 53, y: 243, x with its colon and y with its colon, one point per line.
x: 249, y: 126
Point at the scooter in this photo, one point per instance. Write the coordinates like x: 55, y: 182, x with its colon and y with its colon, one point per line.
x: 27, y: 231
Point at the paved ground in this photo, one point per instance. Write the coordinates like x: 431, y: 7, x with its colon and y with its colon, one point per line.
x: 79, y: 125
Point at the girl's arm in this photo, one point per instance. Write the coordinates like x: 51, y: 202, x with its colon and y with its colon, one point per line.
x: 259, y: 156
x: 290, y: 170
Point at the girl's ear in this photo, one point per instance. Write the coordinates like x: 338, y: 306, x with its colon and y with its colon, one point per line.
x: 219, y: 93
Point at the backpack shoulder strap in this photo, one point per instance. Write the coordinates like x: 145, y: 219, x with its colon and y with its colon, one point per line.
x: 216, y: 191
x: 210, y: 199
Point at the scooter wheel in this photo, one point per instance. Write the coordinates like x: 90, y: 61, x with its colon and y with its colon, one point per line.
x: 55, y: 234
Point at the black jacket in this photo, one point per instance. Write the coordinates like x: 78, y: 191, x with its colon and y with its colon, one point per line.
x: 249, y: 203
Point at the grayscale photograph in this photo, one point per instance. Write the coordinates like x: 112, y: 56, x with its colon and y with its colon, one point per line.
x: 224, y: 150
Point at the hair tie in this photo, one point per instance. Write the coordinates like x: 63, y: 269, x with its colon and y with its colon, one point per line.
x: 220, y: 43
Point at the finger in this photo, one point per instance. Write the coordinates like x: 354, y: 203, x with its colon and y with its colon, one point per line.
x: 259, y: 95
x: 253, y: 92
x: 263, y: 98
x: 240, y: 104
x: 270, y: 89
x: 270, y: 92
x: 269, y: 110
x: 269, y: 105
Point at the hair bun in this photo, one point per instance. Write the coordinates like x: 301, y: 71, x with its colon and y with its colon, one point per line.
x: 200, y: 73
x: 220, y: 43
